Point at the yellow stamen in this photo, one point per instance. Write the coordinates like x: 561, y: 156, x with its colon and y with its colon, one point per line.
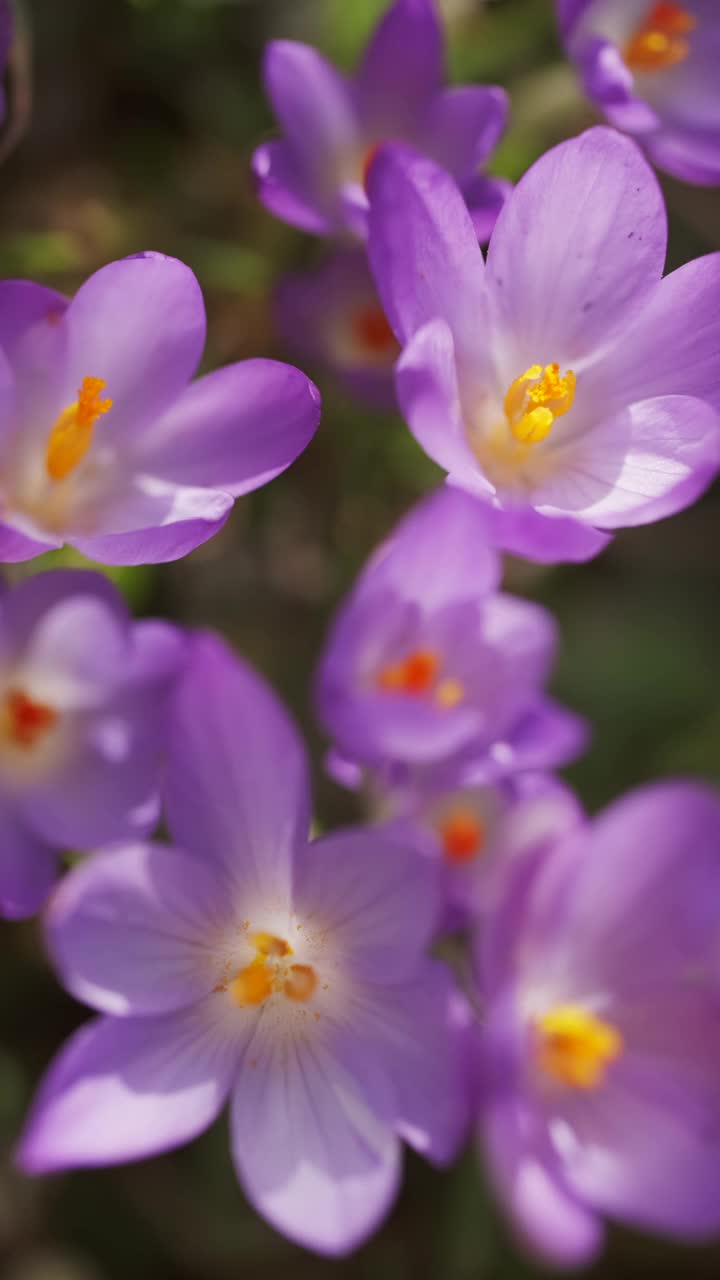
x: 24, y: 721
x: 301, y: 983
x: 659, y: 42
x: 253, y: 984
x: 462, y: 836
x: 536, y: 399
x: 266, y: 944
x: 268, y: 973
x: 72, y: 434
x: 575, y: 1047
x: 449, y: 693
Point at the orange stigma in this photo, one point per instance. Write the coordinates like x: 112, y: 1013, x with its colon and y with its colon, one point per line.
x: 414, y: 677
x: 26, y: 722
x: 372, y: 332
x: 72, y: 434
x: 462, y: 836
x: 661, y: 39
x: 269, y: 973
x: 575, y: 1048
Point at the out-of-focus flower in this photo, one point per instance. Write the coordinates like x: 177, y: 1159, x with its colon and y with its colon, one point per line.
x: 426, y: 663
x: 564, y: 384
x: 599, y: 1077
x: 477, y: 833
x: 105, y: 445
x: 653, y: 70
x: 291, y: 978
x: 83, y: 693
x: 314, y: 176
x: 333, y: 315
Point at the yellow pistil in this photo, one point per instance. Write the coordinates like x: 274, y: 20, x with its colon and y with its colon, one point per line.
x: 269, y: 973
x: 660, y: 40
x: 25, y: 722
x: 536, y: 399
x: 575, y: 1047
x: 72, y: 434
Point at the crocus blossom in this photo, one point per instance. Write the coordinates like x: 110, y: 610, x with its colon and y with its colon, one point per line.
x: 333, y: 315
x: 246, y: 964
x: 83, y: 714
x: 426, y: 664
x: 599, y: 977
x: 567, y: 385
x: 105, y: 444
x: 652, y: 69
x: 314, y: 176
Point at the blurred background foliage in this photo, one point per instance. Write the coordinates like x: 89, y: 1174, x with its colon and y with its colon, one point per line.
x: 144, y: 116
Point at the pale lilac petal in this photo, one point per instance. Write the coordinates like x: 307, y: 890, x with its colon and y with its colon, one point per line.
x: 694, y: 158
x: 285, y: 189
x: 548, y: 1218
x: 16, y: 546
x: 375, y: 896
x: 578, y: 247
x: 463, y: 125
x: 236, y: 429
x: 403, y: 66
x: 545, y: 538
x: 154, y: 522
x: 24, y: 306
x: 135, y: 930
x: 237, y: 788
x: 485, y: 198
x: 28, y: 866
x: 311, y: 1153
x: 32, y: 605
x: 423, y: 250
x: 648, y: 461
x: 429, y: 395
x: 140, y: 325
x: 127, y: 1088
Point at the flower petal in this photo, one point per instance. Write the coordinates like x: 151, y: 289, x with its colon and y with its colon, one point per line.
x: 151, y: 522
x: 140, y: 325
x: 28, y: 866
x: 463, y: 126
x: 578, y: 247
x: 236, y: 429
x: 127, y: 1088
x: 131, y: 931
x: 285, y: 190
x: 544, y: 537
x: 311, y: 1152
x: 403, y: 66
x: 237, y: 787
x: 423, y: 250
x: 648, y: 461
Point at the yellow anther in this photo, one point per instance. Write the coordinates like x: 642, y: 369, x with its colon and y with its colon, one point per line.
x: 266, y: 944
x: 253, y: 984
x: 72, y: 434
x: 660, y: 40
x: 575, y: 1047
x: 449, y: 693
x: 301, y: 983
x: 536, y: 399
x: 268, y: 973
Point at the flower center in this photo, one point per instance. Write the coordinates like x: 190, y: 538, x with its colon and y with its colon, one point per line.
x: 660, y: 40
x: 25, y: 722
x: 372, y: 332
x: 462, y: 836
x: 270, y: 971
x: 72, y: 434
x: 417, y: 677
x: 536, y: 399
x: 575, y: 1047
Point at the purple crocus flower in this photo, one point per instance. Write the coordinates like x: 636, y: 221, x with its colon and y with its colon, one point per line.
x: 105, y: 445
x: 599, y: 975
x: 83, y: 693
x: 333, y: 315
x: 426, y: 665
x: 476, y: 834
x: 314, y: 176
x: 288, y: 977
x: 567, y: 385
x: 652, y: 69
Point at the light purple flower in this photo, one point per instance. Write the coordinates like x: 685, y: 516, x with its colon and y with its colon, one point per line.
x: 477, y: 834
x: 426, y: 664
x: 83, y: 713
x: 105, y: 445
x: 653, y: 70
x: 600, y: 980
x: 567, y: 385
x: 314, y: 176
x: 333, y: 315
x: 289, y: 978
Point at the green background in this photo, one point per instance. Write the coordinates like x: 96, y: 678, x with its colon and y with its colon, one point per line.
x: 144, y: 116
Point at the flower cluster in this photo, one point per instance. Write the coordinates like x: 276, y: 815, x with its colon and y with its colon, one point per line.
x: 567, y: 389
